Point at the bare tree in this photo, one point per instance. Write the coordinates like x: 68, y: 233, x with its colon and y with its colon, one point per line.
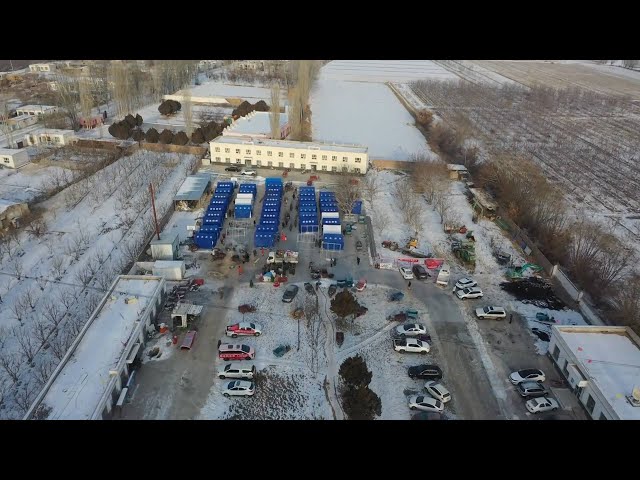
x: 314, y: 331
x: 442, y: 200
x: 52, y: 313
x: 86, y: 99
x: 5, y: 126
x: 274, y: 112
x: 42, y: 282
x: 16, y: 268
x: 29, y: 299
x: 60, y: 344
x: 43, y: 370
x: 25, y: 395
x: 370, y: 186
x: 299, y: 113
x: 28, y: 346
x: 187, y: 111
x: 347, y: 191
x: 57, y: 265
x: 427, y: 175
x: 18, y: 310
x: 68, y: 98
x: 67, y: 297
x: 382, y: 221
x: 10, y: 362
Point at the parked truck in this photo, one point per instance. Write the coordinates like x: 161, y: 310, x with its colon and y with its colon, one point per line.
x: 281, y: 256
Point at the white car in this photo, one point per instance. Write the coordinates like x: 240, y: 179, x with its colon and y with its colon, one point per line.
x: 237, y: 370
x: 406, y: 273
x: 465, y: 283
x: 425, y: 403
x: 472, y: 292
x: 491, y: 312
x: 248, y: 172
x: 239, y: 388
x: 527, y: 374
x: 411, y: 345
x: 541, y: 404
x: 437, y: 391
x: 411, y: 329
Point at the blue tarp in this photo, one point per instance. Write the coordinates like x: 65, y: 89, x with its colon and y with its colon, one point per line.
x: 357, y: 207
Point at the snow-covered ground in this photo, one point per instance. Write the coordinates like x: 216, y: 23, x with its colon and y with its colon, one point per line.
x: 380, y: 71
x: 229, y: 91
x: 51, y: 284
x: 152, y: 116
x: 367, y: 114
x: 26, y: 183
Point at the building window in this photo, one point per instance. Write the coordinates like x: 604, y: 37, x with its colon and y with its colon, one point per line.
x: 280, y: 165
x: 292, y: 165
x: 247, y: 151
x: 345, y: 169
x: 269, y: 163
x: 258, y: 163
x: 238, y: 160
x: 302, y: 166
x: 292, y: 155
x: 344, y: 159
x: 556, y: 353
x: 324, y: 167
x: 226, y: 150
x: 356, y: 170
x: 334, y: 169
x: 314, y: 156
x: 324, y: 157
x: 268, y: 153
x: 358, y: 159
x: 217, y: 159
x: 303, y: 156
x: 217, y: 149
x: 237, y: 150
x: 228, y: 160
x: 565, y: 369
x: 334, y: 158
x: 258, y: 152
x: 591, y: 404
x: 281, y: 154
x: 602, y: 417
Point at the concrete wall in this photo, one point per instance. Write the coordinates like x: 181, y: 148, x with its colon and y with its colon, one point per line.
x: 391, y: 164
x: 159, y: 147
x: 13, y: 158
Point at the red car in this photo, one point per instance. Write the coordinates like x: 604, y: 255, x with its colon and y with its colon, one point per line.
x: 244, y: 328
x: 227, y: 351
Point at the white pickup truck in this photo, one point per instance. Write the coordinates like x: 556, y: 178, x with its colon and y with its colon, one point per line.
x: 412, y: 345
x: 280, y: 256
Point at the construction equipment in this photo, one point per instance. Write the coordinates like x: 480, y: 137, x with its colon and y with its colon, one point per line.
x: 465, y: 251
x: 393, y: 246
x: 412, y: 243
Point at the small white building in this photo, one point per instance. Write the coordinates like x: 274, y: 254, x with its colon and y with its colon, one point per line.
x: 602, y: 367
x: 21, y: 121
x: 314, y: 156
x: 167, y: 248
x: 96, y: 373
x: 51, y: 136
x: 42, y: 67
x: 169, y: 269
x: 257, y: 125
x: 13, y: 158
x: 36, y: 110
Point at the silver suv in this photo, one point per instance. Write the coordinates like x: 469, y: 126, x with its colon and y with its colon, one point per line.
x: 237, y: 370
x: 531, y: 389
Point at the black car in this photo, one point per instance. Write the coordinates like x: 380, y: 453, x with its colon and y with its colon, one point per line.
x: 420, y: 272
x: 232, y: 168
x: 427, y: 416
x: 429, y: 372
x: 290, y: 293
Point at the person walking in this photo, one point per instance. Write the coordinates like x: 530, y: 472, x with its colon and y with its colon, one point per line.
x: 510, y: 317
x: 358, y: 260
x: 409, y: 285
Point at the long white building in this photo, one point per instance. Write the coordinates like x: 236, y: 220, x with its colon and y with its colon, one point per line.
x: 257, y: 152
x: 602, y: 367
x: 91, y: 377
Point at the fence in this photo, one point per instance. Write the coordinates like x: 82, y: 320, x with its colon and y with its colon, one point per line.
x: 521, y: 238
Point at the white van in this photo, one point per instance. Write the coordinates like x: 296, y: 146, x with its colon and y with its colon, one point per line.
x: 443, y: 275
x: 237, y: 370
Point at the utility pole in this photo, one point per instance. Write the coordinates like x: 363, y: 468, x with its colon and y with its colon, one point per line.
x: 153, y: 205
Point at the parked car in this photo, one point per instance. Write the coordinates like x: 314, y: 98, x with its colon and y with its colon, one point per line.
x: 491, y: 312
x: 427, y: 416
x: 252, y: 173
x: 236, y: 370
x: 228, y: 351
x: 411, y: 329
x: 430, y: 372
x: 406, y: 273
x: 541, y: 404
x: 290, y: 293
x: 244, y: 328
x: 232, y: 168
x: 437, y: 391
x: 473, y: 292
x: 425, y: 403
x: 420, y: 272
x: 239, y: 388
x: 465, y: 283
x: 531, y: 389
x: 410, y: 345
x: 532, y: 374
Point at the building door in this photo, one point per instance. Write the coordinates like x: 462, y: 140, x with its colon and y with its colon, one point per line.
x: 314, y: 167
x: 247, y: 161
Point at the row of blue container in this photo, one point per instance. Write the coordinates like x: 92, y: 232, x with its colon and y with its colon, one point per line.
x: 267, y: 229
x: 213, y: 220
x: 246, y: 211
x: 332, y: 241
x: 307, y: 210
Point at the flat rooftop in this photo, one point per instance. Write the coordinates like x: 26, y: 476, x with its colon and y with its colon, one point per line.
x: 53, y: 131
x: 254, y: 124
x: 613, y: 363
x: 225, y: 90
x: 332, y: 147
x: 36, y: 108
x: 11, y: 151
x: 193, y: 187
x: 79, y: 386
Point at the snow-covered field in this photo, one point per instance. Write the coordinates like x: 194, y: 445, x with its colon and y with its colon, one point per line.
x: 27, y: 183
x: 152, y: 116
x: 51, y: 284
x: 228, y: 91
x: 380, y: 71
x: 366, y: 114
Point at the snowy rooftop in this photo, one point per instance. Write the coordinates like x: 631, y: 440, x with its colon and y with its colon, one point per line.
x: 335, y: 147
x: 168, y: 264
x: 455, y: 166
x: 53, y: 131
x: 165, y: 237
x: 612, y: 360
x: 193, y: 187
x: 75, y: 392
x: 11, y: 151
x: 483, y: 198
x: 254, y: 123
x: 36, y: 108
x: 225, y: 90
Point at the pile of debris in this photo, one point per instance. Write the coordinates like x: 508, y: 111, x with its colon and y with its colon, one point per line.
x: 534, y: 291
